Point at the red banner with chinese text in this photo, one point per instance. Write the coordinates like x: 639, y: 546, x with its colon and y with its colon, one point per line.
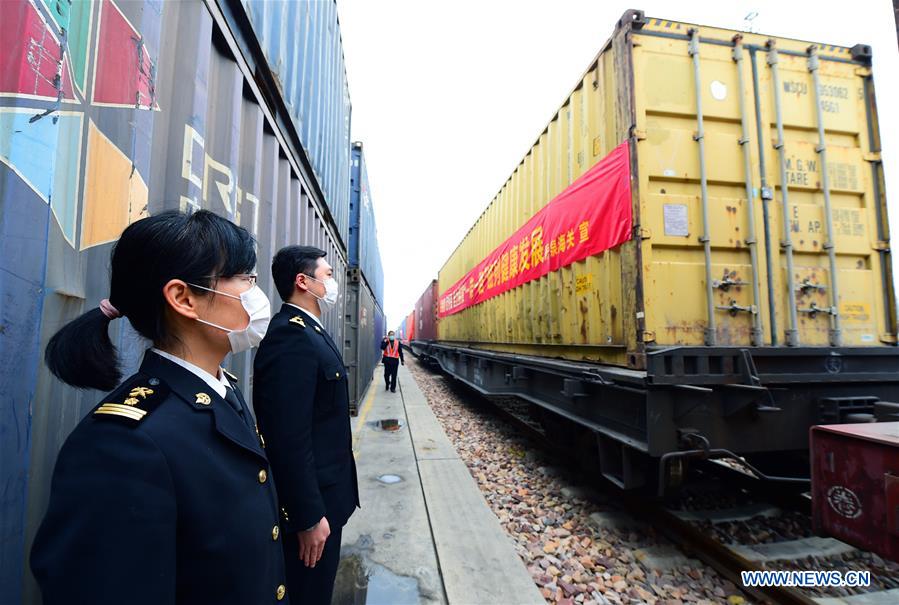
x: 593, y: 214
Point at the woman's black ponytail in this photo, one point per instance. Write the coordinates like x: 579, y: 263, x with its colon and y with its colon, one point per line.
x: 82, y: 355
x: 196, y: 248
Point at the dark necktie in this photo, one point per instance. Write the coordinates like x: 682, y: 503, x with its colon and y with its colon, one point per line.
x: 234, y: 402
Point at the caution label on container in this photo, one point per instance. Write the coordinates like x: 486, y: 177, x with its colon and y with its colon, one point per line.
x: 584, y: 284
x: 859, y: 312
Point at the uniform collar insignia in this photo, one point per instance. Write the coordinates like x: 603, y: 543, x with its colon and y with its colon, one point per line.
x: 134, y: 399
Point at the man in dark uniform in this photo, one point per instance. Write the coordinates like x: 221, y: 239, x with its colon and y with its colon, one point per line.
x: 392, y: 358
x: 158, y: 490
x: 301, y: 399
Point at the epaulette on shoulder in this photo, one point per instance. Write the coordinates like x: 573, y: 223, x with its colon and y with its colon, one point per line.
x: 231, y: 377
x: 134, y: 400
x: 297, y: 321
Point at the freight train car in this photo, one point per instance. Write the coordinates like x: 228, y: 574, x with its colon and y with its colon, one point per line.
x: 409, y: 330
x: 426, y: 314
x: 363, y: 250
x: 364, y: 331
x: 693, y: 258
x: 406, y: 330
x: 111, y: 111
x: 365, y: 286
x: 426, y: 318
x: 303, y: 53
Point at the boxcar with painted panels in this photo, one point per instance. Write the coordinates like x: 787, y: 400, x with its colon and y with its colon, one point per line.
x: 693, y: 256
x: 111, y: 111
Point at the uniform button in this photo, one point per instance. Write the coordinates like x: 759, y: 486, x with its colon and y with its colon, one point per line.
x: 281, y: 592
x: 338, y: 374
x: 263, y: 476
x: 275, y: 532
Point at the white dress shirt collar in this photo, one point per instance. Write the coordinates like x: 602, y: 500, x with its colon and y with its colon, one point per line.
x: 218, y: 384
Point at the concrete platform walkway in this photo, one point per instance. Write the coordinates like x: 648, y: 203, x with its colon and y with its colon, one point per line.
x: 424, y: 533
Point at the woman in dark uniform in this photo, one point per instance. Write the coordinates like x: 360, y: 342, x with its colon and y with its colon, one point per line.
x: 162, y: 494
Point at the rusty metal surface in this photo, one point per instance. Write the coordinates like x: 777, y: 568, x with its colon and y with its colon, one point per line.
x: 581, y: 307
x: 855, y: 485
x: 886, y: 433
x: 110, y: 111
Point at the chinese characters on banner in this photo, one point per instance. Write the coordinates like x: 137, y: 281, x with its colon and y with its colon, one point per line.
x: 593, y: 214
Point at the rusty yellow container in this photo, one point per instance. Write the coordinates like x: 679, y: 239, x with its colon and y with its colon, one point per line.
x: 758, y: 203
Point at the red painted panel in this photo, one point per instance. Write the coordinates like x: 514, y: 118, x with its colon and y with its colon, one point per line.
x: 855, y: 485
x: 31, y: 58
x: 426, y: 313
x: 125, y: 73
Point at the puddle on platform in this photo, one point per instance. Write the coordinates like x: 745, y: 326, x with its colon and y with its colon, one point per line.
x: 390, y: 425
x: 390, y: 479
x: 360, y: 582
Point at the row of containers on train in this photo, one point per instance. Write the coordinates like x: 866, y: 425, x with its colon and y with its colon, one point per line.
x: 111, y: 111
x: 693, y: 260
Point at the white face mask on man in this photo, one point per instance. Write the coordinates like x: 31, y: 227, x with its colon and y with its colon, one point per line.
x: 331, y: 291
x: 257, y: 306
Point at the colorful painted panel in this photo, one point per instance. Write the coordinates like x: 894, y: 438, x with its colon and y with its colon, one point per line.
x: 32, y: 61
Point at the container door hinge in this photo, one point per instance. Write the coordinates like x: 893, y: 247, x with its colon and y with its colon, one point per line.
x: 872, y: 156
x: 644, y: 233
x: 882, y: 246
x: 863, y: 72
x: 649, y: 336
x: 638, y: 133
x: 888, y: 339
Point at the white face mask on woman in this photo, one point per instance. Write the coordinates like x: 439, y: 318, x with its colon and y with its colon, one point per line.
x: 256, y: 304
x: 331, y: 291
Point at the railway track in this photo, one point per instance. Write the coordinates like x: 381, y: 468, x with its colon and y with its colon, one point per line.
x: 712, y: 532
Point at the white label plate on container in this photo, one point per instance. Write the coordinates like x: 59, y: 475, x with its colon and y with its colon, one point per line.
x: 677, y: 223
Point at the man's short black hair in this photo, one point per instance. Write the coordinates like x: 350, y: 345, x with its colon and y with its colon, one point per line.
x: 289, y: 262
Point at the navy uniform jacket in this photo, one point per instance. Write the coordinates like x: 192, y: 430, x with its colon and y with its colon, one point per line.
x: 161, y: 495
x: 301, y: 399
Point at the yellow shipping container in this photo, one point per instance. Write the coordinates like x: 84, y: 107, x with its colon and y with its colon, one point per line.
x: 758, y: 204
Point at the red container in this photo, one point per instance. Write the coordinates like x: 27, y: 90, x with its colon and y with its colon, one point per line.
x: 426, y: 314
x: 410, y: 329
x: 855, y: 485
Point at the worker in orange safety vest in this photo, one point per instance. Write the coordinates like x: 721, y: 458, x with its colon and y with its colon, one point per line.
x: 392, y: 358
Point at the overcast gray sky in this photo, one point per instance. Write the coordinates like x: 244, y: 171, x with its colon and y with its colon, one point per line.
x: 448, y: 97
